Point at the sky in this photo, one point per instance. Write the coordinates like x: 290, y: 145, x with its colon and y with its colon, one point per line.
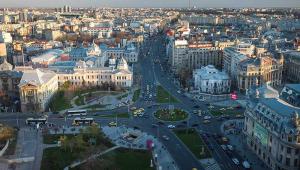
x: 150, y: 3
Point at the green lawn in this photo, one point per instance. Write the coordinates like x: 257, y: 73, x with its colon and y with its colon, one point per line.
x: 59, y: 102
x: 164, y: 97
x: 120, y: 115
x: 130, y: 159
x: 167, y: 115
x: 79, y: 101
x: 136, y: 95
x: 121, y: 159
x: 52, y: 139
x: 194, y: 142
x: 227, y: 111
x: 122, y: 96
x: 12, y: 144
x: 57, y: 158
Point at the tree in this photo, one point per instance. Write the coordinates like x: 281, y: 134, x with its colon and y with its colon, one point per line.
x: 6, y: 133
x: 184, y: 76
x: 63, y: 141
x: 93, y: 132
x: 79, y: 143
x: 66, y: 85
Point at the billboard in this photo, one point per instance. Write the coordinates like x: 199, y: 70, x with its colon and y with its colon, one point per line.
x: 261, y: 134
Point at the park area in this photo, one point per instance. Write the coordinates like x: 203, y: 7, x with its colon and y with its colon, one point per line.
x: 230, y: 111
x: 121, y: 159
x: 164, y: 96
x: 193, y: 141
x: 8, y: 134
x: 62, y: 98
x: 171, y: 115
x: 88, y: 142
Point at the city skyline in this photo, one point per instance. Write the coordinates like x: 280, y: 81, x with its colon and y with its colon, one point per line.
x: 154, y: 3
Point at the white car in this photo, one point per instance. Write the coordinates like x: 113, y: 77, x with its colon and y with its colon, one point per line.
x: 223, y: 147
x: 230, y: 147
x: 246, y: 165
x: 171, y: 126
x: 236, y: 161
x: 207, y: 117
x: 165, y: 137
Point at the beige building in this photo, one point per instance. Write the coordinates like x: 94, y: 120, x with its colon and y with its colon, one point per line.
x: 194, y: 55
x: 259, y: 71
x: 9, y: 80
x: 291, y: 66
x: 36, y: 89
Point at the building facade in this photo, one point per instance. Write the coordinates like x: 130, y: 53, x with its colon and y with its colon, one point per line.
x: 36, y: 89
x: 9, y: 81
x: 291, y: 67
x: 194, y: 55
x: 259, y: 71
x: 210, y: 80
x: 272, y: 132
x: 82, y: 75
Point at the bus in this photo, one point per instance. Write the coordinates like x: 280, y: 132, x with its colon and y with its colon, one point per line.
x: 83, y: 121
x: 76, y: 113
x: 35, y: 121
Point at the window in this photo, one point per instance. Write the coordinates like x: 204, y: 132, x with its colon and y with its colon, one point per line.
x: 290, y: 139
x: 288, y: 150
x: 287, y: 161
x: 295, y: 162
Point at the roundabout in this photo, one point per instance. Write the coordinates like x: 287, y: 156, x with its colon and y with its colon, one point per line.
x: 171, y: 115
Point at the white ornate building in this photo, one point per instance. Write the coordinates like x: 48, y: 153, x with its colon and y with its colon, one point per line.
x: 81, y: 74
x: 210, y: 80
x: 36, y: 89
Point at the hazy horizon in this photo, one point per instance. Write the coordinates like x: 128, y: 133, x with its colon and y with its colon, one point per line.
x: 153, y: 3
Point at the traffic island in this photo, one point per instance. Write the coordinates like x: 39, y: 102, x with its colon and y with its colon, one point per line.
x: 171, y: 115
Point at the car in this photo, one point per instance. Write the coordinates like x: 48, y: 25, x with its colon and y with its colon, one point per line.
x: 246, y: 165
x: 161, y: 123
x: 133, y: 108
x: 184, y: 122
x: 230, y: 147
x: 235, y: 161
x: 165, y: 137
x: 171, y: 126
x: 195, y: 125
x: 154, y: 125
x: 224, y: 147
x: 197, y: 106
x: 112, y: 124
x: 206, y: 121
x: 207, y: 117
